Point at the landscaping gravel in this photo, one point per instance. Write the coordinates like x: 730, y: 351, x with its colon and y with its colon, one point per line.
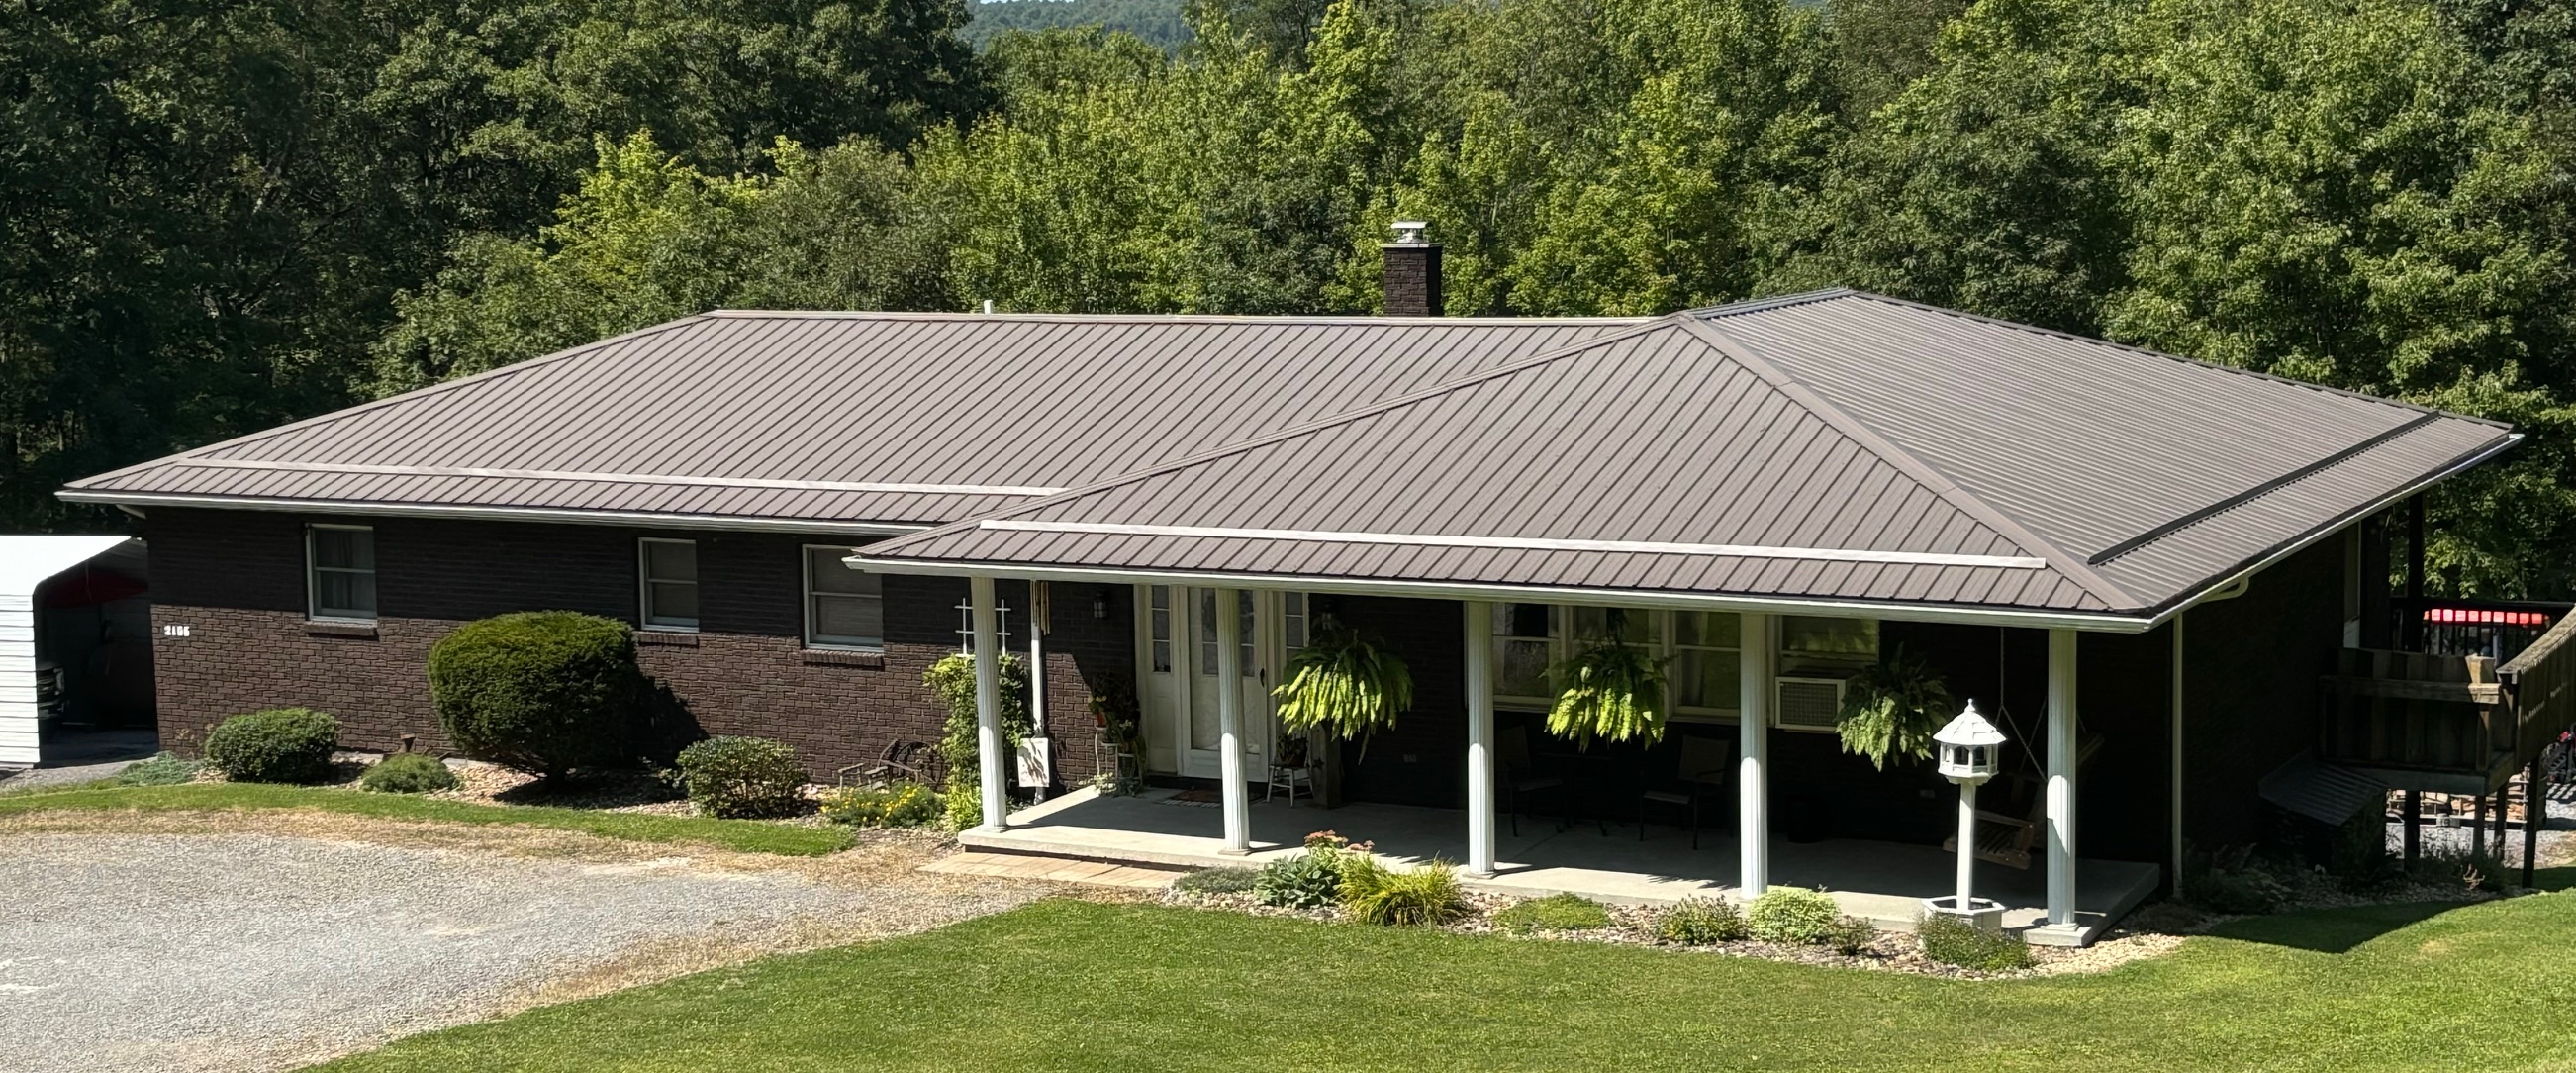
x: 260, y: 951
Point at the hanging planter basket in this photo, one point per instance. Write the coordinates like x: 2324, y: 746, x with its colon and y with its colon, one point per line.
x: 1612, y: 691
x: 1344, y: 685
x: 1892, y: 710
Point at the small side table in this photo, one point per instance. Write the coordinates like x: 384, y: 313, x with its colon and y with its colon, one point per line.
x: 1291, y: 779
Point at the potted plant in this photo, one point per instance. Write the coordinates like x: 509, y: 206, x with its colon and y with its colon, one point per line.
x: 1611, y: 690
x: 1892, y: 709
x: 1344, y: 684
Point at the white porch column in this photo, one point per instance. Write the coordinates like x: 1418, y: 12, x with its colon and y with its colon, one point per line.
x: 1753, y: 749
x: 988, y: 705
x: 1229, y: 716
x: 2061, y: 778
x: 1480, y: 737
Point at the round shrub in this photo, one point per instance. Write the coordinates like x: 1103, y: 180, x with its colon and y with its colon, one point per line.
x: 1851, y: 936
x: 904, y: 804
x: 540, y: 691
x: 744, y: 778
x: 1792, y: 916
x: 277, y: 745
x: 1700, y: 922
x: 408, y: 773
x: 1952, y: 941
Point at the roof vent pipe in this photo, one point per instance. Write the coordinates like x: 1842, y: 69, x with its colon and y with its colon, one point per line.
x: 988, y: 307
x: 1412, y: 272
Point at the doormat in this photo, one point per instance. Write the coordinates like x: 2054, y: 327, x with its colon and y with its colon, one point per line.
x: 1201, y: 798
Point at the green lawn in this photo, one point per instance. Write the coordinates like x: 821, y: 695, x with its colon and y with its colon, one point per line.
x: 1072, y: 985
x: 747, y: 835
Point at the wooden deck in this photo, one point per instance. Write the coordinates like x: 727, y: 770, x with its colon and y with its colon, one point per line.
x: 2450, y: 724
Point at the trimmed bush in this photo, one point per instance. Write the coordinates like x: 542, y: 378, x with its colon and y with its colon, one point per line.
x: 408, y: 773
x: 1850, y: 936
x: 1700, y: 922
x: 278, y: 745
x: 1952, y: 941
x: 1379, y: 895
x: 1556, y: 912
x: 165, y: 769
x: 1218, y: 881
x: 740, y: 778
x: 540, y: 691
x: 1792, y: 916
x: 904, y: 804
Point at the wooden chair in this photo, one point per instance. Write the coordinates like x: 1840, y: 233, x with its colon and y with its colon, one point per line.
x: 2013, y: 840
x: 1706, y: 764
x: 1514, y: 776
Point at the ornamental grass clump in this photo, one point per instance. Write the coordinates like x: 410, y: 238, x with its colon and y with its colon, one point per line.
x: 1344, y: 684
x: 1611, y: 691
x: 1700, y: 922
x: 289, y: 745
x: 1792, y: 916
x: 1952, y: 941
x: 1556, y: 912
x: 408, y: 773
x: 1376, y: 894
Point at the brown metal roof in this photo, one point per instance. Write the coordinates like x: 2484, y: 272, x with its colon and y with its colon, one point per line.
x: 1835, y: 446
x: 1772, y: 450
x: 868, y: 418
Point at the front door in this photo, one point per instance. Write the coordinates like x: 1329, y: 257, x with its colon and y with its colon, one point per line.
x: 1178, y: 657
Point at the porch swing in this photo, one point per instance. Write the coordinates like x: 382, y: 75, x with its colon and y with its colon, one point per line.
x: 2013, y: 839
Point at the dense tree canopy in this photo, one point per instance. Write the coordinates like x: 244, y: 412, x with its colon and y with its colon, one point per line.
x: 223, y: 218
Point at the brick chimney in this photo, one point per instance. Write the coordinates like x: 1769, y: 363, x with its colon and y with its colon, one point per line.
x: 1412, y: 273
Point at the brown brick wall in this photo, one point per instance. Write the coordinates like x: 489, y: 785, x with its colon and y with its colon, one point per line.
x: 236, y: 580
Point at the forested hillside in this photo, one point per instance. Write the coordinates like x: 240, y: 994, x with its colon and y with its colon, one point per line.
x: 215, y: 222
x: 1157, y: 22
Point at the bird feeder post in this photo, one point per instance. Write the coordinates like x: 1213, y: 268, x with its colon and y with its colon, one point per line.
x: 1969, y: 751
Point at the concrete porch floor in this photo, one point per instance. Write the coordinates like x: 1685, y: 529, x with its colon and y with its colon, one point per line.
x: 1883, y: 882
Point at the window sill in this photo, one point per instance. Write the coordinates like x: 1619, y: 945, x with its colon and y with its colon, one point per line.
x: 663, y: 638
x: 841, y: 657
x: 320, y: 628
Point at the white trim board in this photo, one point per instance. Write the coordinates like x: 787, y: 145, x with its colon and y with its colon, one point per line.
x: 559, y: 515
x: 598, y: 477
x: 1635, y: 547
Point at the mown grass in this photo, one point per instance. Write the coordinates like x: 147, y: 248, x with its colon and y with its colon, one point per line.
x: 748, y: 836
x: 1066, y: 985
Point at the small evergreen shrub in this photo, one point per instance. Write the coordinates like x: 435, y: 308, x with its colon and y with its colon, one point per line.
x: 1952, y: 941
x: 408, y: 773
x: 903, y: 804
x: 164, y: 769
x: 1556, y: 912
x: 743, y: 778
x: 1700, y: 922
x: 540, y: 691
x: 1218, y: 881
x: 278, y: 745
x: 1850, y: 936
x: 1792, y: 916
x: 1379, y: 895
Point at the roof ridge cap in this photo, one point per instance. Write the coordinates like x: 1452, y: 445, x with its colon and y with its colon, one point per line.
x: 1292, y: 432
x: 1929, y: 476
x: 389, y: 400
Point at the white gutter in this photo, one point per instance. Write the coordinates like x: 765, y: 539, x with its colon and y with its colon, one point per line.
x: 1528, y: 594
x: 557, y: 515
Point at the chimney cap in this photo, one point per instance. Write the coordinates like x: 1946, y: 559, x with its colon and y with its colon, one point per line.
x: 1409, y: 232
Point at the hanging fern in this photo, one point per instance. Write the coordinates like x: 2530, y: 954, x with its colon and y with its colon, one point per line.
x: 1893, y: 709
x: 1344, y: 684
x: 1612, y: 690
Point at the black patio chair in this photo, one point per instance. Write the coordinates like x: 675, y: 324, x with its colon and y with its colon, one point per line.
x: 1706, y: 765
x: 1515, y: 776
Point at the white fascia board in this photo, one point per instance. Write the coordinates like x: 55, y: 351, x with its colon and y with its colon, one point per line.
x: 2062, y: 620
x: 560, y: 515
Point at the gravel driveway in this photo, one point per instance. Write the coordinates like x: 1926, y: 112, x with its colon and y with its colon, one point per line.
x: 252, y: 951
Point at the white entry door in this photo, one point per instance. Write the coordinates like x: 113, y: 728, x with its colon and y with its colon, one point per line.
x: 1177, y: 657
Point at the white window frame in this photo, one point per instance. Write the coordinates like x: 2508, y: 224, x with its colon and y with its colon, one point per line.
x: 644, y: 586
x: 813, y: 633
x: 1667, y: 644
x: 313, y: 570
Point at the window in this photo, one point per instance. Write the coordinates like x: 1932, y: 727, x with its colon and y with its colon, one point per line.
x: 1699, y: 647
x: 1162, y: 616
x: 1292, y: 620
x: 1826, y: 647
x: 342, y: 568
x: 844, y: 608
x: 1245, y: 663
x: 670, y: 590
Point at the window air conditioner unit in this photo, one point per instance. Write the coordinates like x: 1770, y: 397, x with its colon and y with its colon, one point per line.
x: 1807, y: 703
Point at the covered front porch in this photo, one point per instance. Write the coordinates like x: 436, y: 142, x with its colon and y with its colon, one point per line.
x: 1883, y: 882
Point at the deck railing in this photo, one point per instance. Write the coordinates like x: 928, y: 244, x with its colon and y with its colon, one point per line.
x: 2541, y: 680
x: 2456, y: 722
x: 2450, y: 626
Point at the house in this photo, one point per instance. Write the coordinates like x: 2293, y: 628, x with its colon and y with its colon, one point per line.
x: 2142, y: 565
